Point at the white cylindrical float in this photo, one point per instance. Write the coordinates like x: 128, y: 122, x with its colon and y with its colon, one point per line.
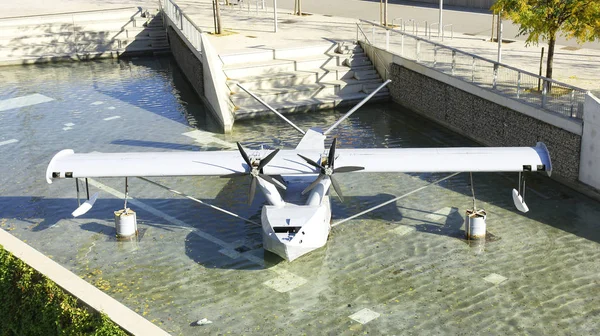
x: 475, y: 224
x: 126, y: 223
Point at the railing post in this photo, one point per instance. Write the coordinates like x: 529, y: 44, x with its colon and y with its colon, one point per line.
x: 373, y: 35
x: 387, y: 39
x: 418, y: 51
x: 572, y: 102
x: 495, y: 78
x: 402, y: 45
x: 453, y: 61
x: 544, y: 92
x: 518, y: 84
x: 473, y: 71
x: 434, y: 55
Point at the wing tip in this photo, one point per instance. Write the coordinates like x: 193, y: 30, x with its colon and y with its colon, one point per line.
x: 50, y: 170
x: 541, y: 147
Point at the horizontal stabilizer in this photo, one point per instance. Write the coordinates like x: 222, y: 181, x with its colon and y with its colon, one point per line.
x: 86, y: 206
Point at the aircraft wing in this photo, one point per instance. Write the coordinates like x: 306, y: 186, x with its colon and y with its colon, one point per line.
x: 450, y: 159
x: 67, y: 164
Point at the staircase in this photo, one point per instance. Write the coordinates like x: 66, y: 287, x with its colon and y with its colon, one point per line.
x: 300, y: 79
x: 81, y: 35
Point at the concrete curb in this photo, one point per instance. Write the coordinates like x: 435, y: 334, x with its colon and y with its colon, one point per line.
x: 90, y: 295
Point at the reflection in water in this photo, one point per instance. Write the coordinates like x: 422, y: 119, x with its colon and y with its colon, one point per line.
x: 408, y: 261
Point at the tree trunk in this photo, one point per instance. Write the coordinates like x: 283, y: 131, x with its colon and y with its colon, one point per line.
x: 550, y: 59
x: 385, y: 14
x: 218, y: 10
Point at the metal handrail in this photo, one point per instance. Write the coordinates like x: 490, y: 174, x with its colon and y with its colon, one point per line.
x: 183, y: 22
x: 386, y: 68
x: 475, y: 56
x: 184, y: 15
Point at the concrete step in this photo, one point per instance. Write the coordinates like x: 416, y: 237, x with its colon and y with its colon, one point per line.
x: 348, y: 48
x: 62, y: 27
x: 80, y: 36
x: 270, y: 54
x: 308, y: 105
x: 49, y: 56
x: 306, y: 91
x: 239, y: 71
x: 122, y: 14
x: 293, y: 78
x: 32, y: 50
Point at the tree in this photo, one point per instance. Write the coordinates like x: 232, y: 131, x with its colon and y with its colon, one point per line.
x: 298, y: 7
x: 544, y: 19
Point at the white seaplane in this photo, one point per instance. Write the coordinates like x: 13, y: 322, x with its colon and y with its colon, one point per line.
x: 292, y: 230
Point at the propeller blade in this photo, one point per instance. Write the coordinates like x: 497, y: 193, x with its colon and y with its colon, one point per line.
x: 347, y: 169
x: 311, y: 161
x: 244, y: 155
x: 331, y: 157
x: 252, y: 190
x: 263, y: 162
x: 273, y: 181
x: 314, y: 184
x: 337, y: 188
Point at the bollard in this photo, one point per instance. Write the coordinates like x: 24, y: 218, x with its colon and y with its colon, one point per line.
x: 126, y: 224
x: 475, y: 226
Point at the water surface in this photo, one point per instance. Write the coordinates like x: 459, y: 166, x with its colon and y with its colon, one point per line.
x: 406, y: 262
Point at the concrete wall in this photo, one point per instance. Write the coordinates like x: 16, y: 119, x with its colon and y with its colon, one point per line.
x: 215, y: 87
x: 204, y: 71
x: 493, y: 121
x: 589, y: 172
x: 186, y: 60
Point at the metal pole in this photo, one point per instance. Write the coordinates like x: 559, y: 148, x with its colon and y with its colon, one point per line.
x: 519, y: 84
x: 362, y: 102
x: 387, y: 40
x: 493, y: 21
x: 214, y: 16
x: 541, y: 62
x: 77, y: 187
x: 275, y: 14
x: 199, y: 201
x: 500, y: 37
x: 87, y: 189
x: 270, y: 108
x: 126, y: 194
x: 392, y: 200
x: 441, y: 22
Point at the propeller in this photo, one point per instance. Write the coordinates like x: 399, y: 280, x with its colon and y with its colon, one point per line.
x: 327, y: 169
x: 255, y: 171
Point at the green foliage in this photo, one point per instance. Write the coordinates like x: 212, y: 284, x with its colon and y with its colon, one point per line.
x: 543, y: 19
x: 31, y: 304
